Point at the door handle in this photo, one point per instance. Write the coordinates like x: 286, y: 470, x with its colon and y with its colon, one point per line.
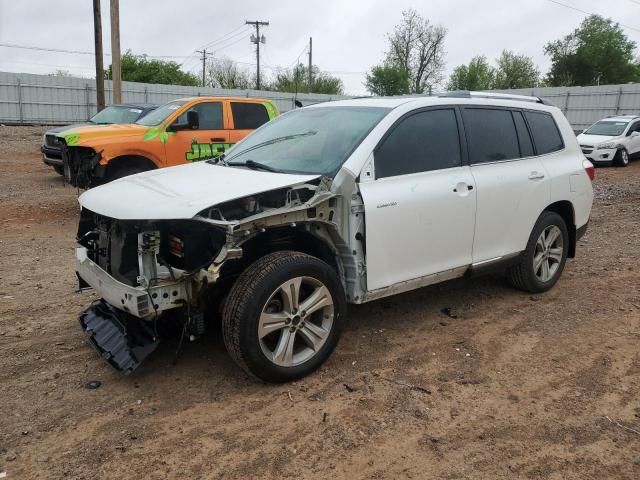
x: 217, y: 139
x: 469, y: 188
x: 536, y: 176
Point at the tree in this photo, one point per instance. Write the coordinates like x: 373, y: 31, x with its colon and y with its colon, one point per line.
x: 384, y: 80
x: 515, y: 71
x: 61, y: 73
x: 139, y: 68
x: 417, y: 47
x: 297, y: 80
x: 478, y: 75
x: 225, y: 73
x: 597, y: 52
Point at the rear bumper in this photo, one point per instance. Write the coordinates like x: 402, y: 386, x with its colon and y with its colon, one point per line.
x: 140, y: 302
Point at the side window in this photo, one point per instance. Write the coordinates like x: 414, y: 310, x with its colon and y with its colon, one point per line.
x: 422, y: 142
x: 545, y: 132
x: 209, y: 115
x: 249, y: 116
x: 526, y: 146
x: 634, y: 128
x: 491, y: 135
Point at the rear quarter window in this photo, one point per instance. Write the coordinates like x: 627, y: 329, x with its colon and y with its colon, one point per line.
x: 249, y: 116
x: 491, y: 135
x: 546, y: 136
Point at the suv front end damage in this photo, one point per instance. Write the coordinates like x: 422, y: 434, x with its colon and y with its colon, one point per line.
x: 151, y: 270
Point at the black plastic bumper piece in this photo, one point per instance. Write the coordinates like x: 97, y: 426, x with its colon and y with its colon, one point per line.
x: 122, y: 340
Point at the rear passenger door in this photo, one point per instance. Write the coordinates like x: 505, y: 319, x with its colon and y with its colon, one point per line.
x: 245, y: 118
x: 512, y: 184
x: 420, y: 206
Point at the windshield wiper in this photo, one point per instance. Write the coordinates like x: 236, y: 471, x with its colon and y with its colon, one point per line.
x: 276, y: 140
x: 253, y: 165
x: 219, y: 160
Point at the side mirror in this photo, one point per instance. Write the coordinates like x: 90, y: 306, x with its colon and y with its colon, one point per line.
x: 635, y: 134
x: 298, y: 103
x: 192, y: 123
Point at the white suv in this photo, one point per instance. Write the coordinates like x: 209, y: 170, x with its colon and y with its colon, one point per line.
x: 342, y: 202
x: 613, y: 140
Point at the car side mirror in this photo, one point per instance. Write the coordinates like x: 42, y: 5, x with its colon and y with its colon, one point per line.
x: 192, y: 123
x: 635, y: 134
x: 584, y: 131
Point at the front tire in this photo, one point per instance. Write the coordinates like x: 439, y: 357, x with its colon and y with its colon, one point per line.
x: 545, y: 256
x: 283, y: 316
x: 622, y: 158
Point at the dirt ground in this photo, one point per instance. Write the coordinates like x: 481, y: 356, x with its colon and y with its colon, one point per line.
x: 469, y: 379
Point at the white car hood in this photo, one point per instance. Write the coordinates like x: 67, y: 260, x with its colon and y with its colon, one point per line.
x: 595, y: 140
x: 181, y: 192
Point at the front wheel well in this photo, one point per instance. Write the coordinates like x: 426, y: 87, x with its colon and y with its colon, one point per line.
x: 129, y: 161
x: 564, y: 208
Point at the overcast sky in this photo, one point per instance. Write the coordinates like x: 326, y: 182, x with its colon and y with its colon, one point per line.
x: 349, y: 36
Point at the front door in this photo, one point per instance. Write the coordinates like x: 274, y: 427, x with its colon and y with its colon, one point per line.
x: 420, y: 209
x: 209, y: 140
x: 634, y: 140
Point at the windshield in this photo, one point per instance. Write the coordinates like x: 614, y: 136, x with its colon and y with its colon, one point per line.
x: 116, y: 114
x: 608, y: 128
x: 309, y: 140
x: 160, y: 114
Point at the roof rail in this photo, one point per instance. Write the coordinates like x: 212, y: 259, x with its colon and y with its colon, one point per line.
x: 495, y: 96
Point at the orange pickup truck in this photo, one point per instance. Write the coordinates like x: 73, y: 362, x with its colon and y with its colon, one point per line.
x: 178, y: 132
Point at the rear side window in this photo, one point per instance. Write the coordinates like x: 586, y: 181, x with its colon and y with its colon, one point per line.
x: 491, y: 135
x: 526, y: 147
x: 422, y: 142
x: 249, y: 116
x: 545, y: 132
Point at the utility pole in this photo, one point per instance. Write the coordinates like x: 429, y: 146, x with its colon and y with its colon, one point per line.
x: 310, y: 64
x: 204, y: 63
x: 115, y: 52
x: 257, y: 39
x: 97, y: 34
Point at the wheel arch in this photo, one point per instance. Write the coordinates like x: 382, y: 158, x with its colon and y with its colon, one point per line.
x: 565, y: 209
x: 130, y: 160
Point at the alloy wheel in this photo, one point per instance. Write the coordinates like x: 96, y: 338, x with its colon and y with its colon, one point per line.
x: 295, y: 322
x: 548, y: 253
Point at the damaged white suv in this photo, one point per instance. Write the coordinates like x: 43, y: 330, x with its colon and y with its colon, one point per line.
x: 343, y: 202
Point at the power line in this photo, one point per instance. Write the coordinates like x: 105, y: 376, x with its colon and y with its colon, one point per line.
x: 77, y: 52
x: 590, y: 13
x: 221, y: 38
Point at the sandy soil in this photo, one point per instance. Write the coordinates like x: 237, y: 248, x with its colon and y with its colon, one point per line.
x: 502, y: 385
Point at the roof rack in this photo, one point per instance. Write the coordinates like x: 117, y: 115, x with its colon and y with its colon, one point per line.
x: 495, y: 96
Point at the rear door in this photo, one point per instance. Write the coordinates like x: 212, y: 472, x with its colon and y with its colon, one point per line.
x: 420, y: 206
x: 513, y: 186
x: 209, y: 140
x: 245, y: 118
x: 634, y: 140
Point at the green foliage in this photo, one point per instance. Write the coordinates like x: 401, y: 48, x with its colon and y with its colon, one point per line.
x: 417, y: 47
x: 515, y: 71
x: 478, y: 75
x: 225, y: 73
x: 297, y: 80
x: 384, y: 80
x: 597, y: 52
x: 139, y: 68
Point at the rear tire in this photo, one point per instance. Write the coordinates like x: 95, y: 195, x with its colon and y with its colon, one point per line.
x: 622, y: 158
x: 545, y: 256
x: 283, y: 316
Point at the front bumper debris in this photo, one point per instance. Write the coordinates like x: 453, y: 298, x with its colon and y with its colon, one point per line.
x: 121, y: 340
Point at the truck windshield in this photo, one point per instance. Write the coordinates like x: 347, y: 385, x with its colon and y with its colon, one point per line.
x: 608, y: 128
x: 116, y: 114
x: 160, y: 114
x: 309, y: 140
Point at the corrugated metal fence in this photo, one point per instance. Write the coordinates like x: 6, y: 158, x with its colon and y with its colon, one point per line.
x: 50, y: 100
x: 44, y: 99
x: 585, y: 105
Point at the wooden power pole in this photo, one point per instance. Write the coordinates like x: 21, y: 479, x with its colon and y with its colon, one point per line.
x: 257, y: 40
x: 310, y: 64
x: 97, y: 34
x: 115, y: 52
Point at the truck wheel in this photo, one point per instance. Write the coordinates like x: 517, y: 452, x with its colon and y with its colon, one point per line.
x: 544, y: 258
x: 283, y: 316
x: 622, y: 158
x: 122, y: 171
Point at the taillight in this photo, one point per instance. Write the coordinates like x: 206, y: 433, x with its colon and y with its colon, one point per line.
x: 589, y: 168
